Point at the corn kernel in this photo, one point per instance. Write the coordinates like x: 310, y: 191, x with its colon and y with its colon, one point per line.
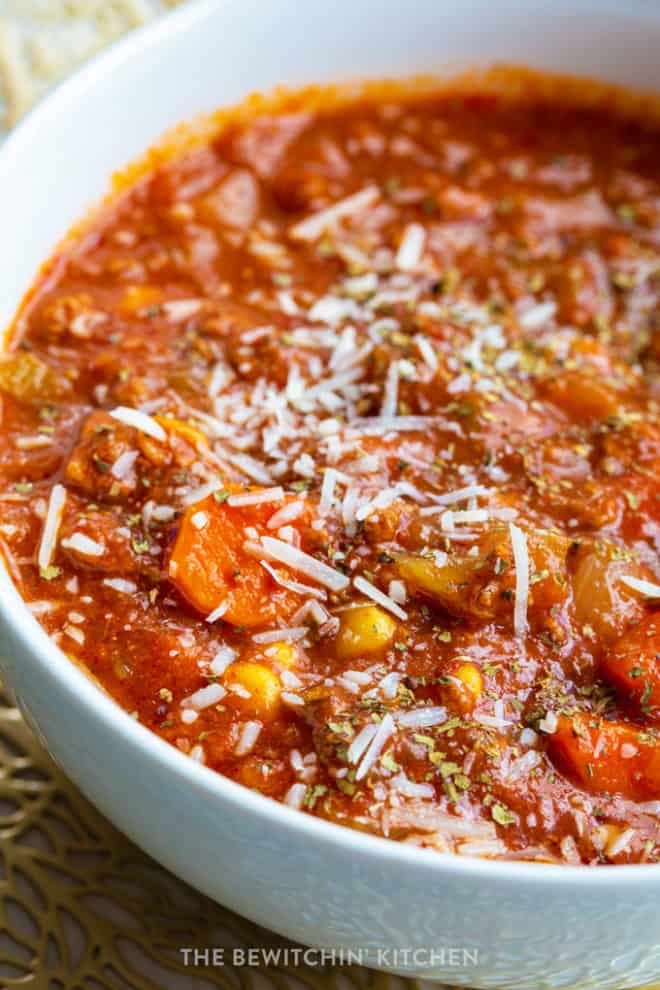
x: 364, y: 630
x: 260, y: 682
x: 140, y: 297
x: 470, y: 675
x: 282, y: 654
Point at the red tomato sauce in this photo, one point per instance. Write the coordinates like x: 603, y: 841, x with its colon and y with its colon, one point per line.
x: 331, y: 448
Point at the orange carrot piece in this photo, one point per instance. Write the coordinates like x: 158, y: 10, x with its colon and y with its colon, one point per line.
x: 608, y: 757
x: 633, y: 666
x: 210, y: 566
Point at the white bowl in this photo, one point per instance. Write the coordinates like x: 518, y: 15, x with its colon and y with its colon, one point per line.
x: 401, y: 908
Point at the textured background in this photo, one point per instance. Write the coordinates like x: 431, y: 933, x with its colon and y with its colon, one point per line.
x: 43, y: 40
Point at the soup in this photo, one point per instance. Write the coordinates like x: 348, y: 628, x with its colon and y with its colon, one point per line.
x: 330, y: 449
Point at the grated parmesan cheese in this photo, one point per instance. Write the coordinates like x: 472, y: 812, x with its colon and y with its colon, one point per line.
x: 521, y: 562
x: 84, y: 545
x: 121, y: 585
x: 51, y: 528
x: 257, y: 498
x: 139, y: 421
x: 383, y: 733
x: 646, y: 588
x: 298, y: 560
x: 316, y: 224
x: 247, y: 738
x: 411, y: 247
x: 371, y: 591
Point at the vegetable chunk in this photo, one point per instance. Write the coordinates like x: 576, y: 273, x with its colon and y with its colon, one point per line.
x: 602, y: 602
x: 210, y: 566
x: 261, y: 686
x: 482, y: 586
x: 608, y: 757
x: 27, y: 378
x: 364, y: 630
x: 633, y: 666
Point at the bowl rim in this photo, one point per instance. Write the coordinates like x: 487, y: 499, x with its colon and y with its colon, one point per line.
x: 73, y: 682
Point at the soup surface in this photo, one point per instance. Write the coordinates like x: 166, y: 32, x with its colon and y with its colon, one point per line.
x: 331, y: 449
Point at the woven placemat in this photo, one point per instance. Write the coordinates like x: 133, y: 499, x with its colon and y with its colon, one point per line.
x: 81, y: 908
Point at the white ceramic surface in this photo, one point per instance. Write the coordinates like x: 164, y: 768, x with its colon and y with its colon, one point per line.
x: 532, y: 926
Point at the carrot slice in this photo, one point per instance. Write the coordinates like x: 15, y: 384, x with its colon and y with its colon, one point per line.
x: 210, y: 566
x: 633, y: 666
x: 608, y: 757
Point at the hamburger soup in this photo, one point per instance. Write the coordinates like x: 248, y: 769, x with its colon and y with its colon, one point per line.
x: 330, y: 448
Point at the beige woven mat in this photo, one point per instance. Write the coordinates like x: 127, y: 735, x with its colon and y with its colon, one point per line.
x: 80, y: 907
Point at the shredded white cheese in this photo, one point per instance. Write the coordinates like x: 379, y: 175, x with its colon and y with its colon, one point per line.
x: 177, y: 310
x: 411, y: 248
x: 383, y: 733
x: 358, y: 746
x: 391, y: 392
x: 247, y: 738
x: 427, y: 350
x: 205, y: 697
x: 646, y: 588
x: 423, y: 717
x: 288, y: 635
x: 51, y: 528
x: 257, y: 498
x: 218, y: 612
x: 316, y: 225
x: 84, y: 545
x: 296, y: 586
x: 123, y: 466
x: 376, y: 595
x: 535, y: 317
x: 521, y: 562
x: 223, y: 658
x: 298, y: 560
x: 295, y: 796
x: 139, y: 421
x: 121, y: 585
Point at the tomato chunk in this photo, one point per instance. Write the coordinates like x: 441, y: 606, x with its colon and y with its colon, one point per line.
x: 633, y: 666
x: 210, y: 567
x: 608, y: 757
